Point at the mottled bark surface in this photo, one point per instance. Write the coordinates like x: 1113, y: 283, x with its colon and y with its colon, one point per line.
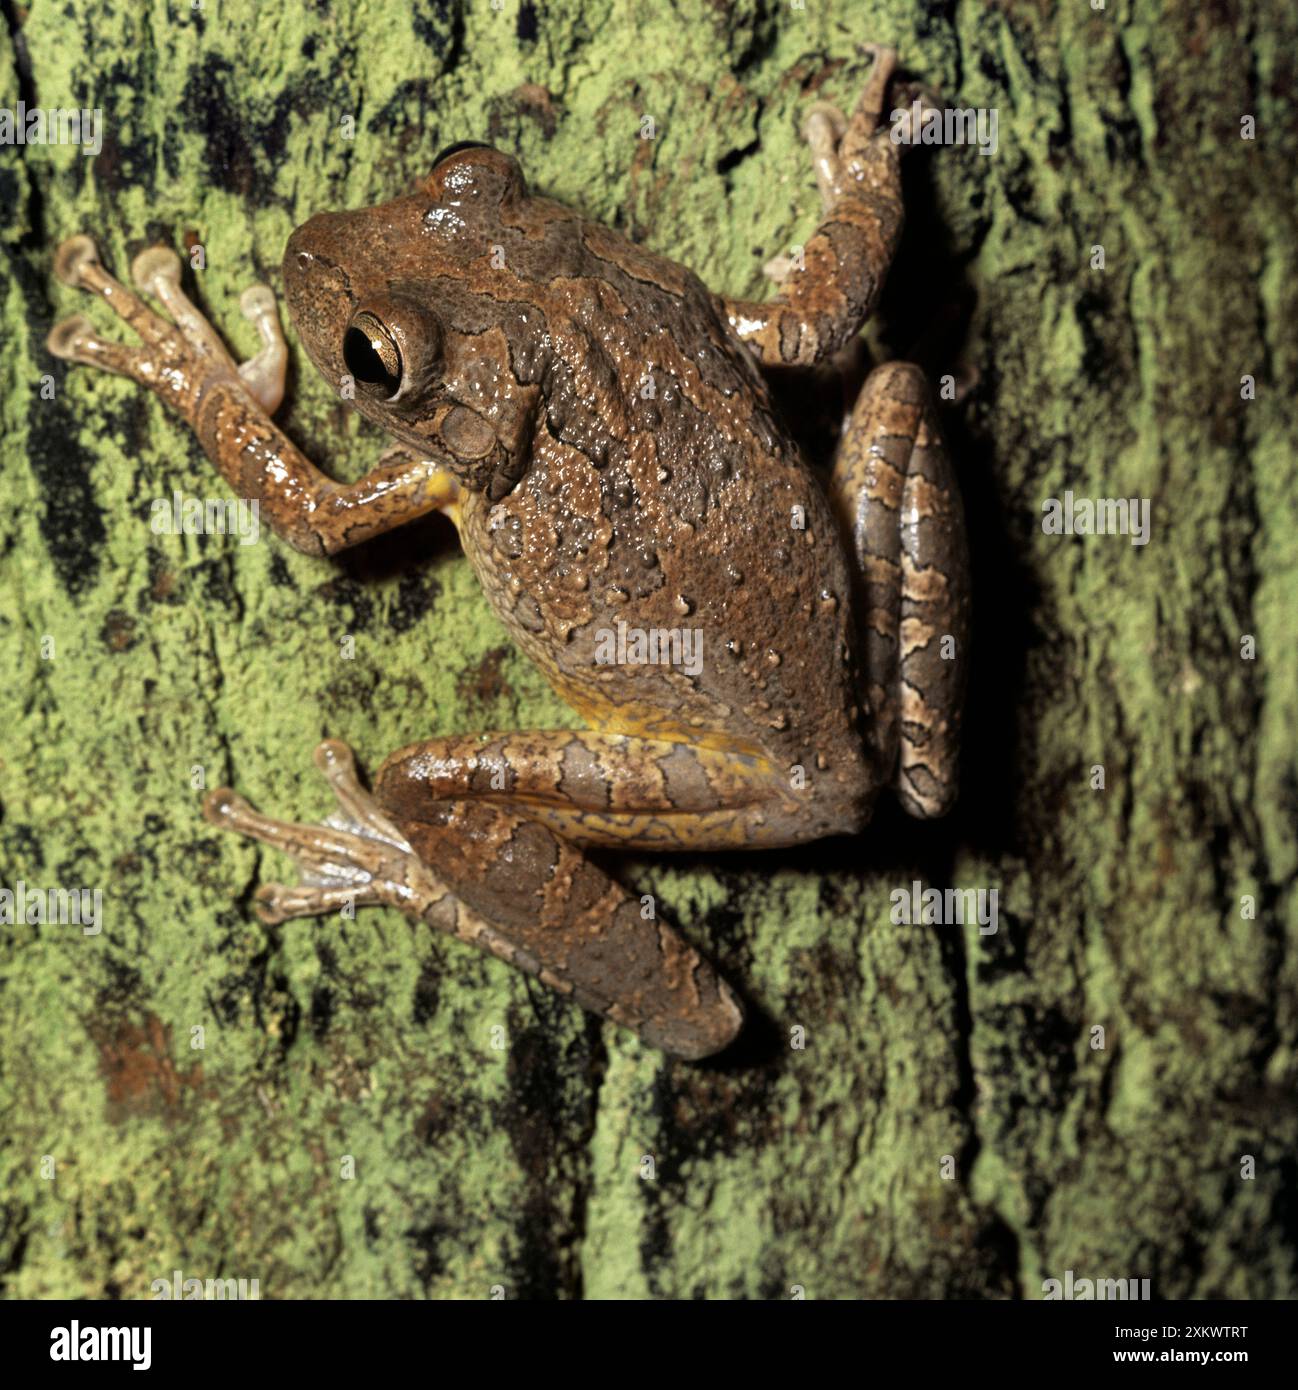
x: 496, y: 1135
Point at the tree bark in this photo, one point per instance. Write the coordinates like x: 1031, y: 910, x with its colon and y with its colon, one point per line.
x: 1104, y: 1084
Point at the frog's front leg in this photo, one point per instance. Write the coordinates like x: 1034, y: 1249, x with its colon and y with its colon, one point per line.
x: 822, y: 305
x: 899, y: 504
x: 491, y: 876
x: 228, y: 406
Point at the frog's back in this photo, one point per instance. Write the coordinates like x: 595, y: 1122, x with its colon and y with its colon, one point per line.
x: 668, y: 557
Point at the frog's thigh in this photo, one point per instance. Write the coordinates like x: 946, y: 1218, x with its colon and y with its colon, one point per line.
x: 896, y: 493
x: 601, y: 788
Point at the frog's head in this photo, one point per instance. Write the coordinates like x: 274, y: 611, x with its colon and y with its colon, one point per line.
x: 401, y: 307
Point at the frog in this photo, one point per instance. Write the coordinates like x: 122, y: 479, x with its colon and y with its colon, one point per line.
x: 753, y: 652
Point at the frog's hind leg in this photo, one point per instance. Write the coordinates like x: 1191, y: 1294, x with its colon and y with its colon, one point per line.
x: 898, y: 501
x: 356, y: 858
x: 557, y: 915
x: 492, y: 877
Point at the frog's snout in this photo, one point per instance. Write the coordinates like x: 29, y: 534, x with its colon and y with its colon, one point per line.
x: 304, y: 251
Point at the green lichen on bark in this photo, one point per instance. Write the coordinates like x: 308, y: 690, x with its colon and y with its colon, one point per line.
x: 523, y: 1165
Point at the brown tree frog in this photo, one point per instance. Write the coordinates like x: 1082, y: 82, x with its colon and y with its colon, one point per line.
x: 753, y: 656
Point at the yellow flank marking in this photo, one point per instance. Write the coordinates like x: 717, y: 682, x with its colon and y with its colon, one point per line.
x: 444, y: 493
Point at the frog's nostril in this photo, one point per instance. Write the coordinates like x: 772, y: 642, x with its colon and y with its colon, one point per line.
x: 372, y: 357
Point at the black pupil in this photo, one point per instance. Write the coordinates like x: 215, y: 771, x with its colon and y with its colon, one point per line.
x: 371, y: 365
x: 457, y: 147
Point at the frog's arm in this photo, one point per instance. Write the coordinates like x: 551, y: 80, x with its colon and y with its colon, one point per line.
x: 228, y: 406
x: 824, y: 302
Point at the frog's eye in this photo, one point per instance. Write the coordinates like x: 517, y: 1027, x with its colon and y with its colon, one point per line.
x: 372, y: 356
x: 457, y: 147
x: 392, y: 347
